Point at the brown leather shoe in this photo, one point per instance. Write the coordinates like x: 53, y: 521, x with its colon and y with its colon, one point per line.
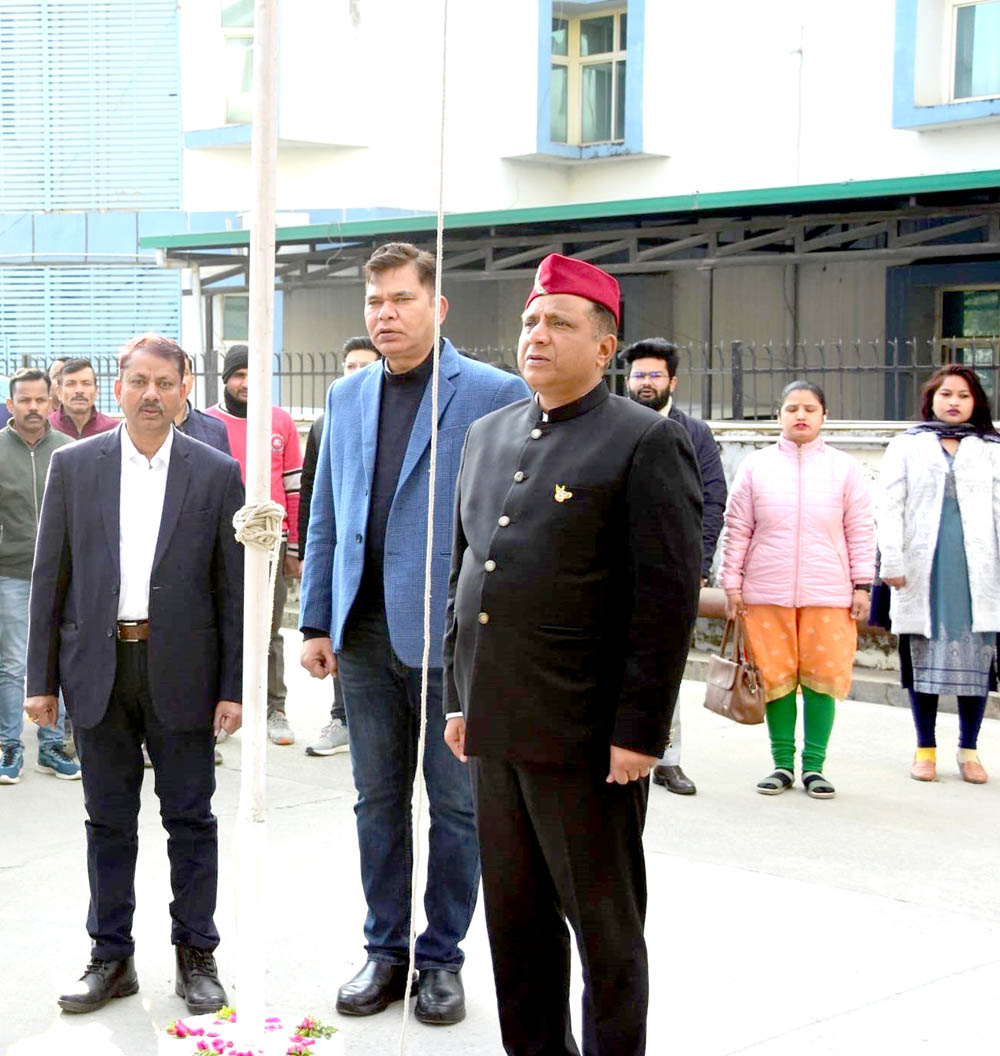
x: 973, y: 772
x: 923, y: 770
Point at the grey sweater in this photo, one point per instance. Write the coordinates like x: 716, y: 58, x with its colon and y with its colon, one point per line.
x: 23, y: 471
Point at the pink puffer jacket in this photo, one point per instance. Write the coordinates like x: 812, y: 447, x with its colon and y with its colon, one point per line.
x: 799, y: 527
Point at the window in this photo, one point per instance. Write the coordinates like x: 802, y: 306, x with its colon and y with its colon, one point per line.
x: 947, y: 63
x: 976, y: 50
x: 972, y: 313
x: 587, y: 80
x: 237, y: 30
x: 235, y: 319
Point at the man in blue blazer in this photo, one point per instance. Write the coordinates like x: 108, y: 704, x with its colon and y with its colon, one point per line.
x: 136, y: 614
x: 362, y: 607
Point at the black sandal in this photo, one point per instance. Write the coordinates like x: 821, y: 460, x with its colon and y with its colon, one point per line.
x: 780, y: 781
x: 817, y: 786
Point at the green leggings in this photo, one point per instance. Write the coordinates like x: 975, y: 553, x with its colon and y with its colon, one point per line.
x: 817, y: 720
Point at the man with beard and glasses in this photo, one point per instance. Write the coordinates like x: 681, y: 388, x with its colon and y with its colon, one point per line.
x: 78, y: 417
x: 26, y: 445
x: 286, y: 474
x: 652, y: 380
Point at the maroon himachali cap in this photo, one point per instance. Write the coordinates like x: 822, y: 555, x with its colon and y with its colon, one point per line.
x: 559, y: 274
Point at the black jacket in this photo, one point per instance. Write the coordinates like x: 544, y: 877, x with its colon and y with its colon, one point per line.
x: 196, y: 584
x: 713, y: 483
x: 576, y: 639
x: 308, y: 476
x: 201, y: 426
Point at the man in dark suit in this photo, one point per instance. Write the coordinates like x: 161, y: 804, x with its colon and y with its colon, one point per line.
x: 573, y: 591
x: 136, y: 613
x: 652, y: 379
x: 197, y: 423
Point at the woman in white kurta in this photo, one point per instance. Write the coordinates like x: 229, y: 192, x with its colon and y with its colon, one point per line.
x: 938, y: 519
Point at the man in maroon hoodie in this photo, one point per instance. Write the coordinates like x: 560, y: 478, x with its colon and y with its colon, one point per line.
x: 78, y: 417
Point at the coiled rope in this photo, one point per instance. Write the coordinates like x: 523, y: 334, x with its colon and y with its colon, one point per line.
x: 260, y: 527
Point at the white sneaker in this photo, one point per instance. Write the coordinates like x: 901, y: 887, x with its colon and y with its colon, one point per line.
x: 278, y: 730
x: 332, y: 740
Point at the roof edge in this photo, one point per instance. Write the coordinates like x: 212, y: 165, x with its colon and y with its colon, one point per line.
x: 683, y: 203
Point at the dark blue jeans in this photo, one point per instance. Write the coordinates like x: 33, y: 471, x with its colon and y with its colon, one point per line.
x: 382, y: 697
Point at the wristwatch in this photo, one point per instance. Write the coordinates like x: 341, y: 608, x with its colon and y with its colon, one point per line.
x: 866, y: 587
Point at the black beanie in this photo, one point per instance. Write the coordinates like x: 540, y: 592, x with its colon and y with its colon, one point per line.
x: 236, y: 359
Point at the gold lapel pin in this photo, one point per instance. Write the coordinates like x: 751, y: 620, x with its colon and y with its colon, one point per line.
x: 562, y: 493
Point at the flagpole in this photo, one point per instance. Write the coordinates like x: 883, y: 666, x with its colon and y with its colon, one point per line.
x: 251, y: 833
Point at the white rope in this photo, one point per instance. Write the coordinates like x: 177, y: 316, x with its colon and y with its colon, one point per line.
x: 429, y: 548
x: 259, y: 527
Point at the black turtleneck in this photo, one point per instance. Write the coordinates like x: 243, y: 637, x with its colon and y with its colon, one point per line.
x: 401, y: 396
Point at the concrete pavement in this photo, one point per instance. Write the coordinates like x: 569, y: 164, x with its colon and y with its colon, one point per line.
x: 784, y: 925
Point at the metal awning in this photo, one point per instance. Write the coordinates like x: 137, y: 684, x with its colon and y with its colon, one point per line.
x: 899, y: 220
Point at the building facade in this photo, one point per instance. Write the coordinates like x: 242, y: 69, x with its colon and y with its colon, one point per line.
x: 796, y: 188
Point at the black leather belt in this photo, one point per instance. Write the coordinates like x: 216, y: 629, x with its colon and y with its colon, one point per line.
x: 133, y: 630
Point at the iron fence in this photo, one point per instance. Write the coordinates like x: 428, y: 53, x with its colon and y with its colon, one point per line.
x: 864, y: 380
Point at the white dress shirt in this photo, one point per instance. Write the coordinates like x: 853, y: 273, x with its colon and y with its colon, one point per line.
x: 140, y: 507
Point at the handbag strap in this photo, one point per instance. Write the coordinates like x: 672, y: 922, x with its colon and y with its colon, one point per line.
x: 743, y: 639
x: 733, y: 627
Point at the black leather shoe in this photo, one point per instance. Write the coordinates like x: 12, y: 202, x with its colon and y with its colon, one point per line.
x: 100, y: 982
x: 198, y: 980
x: 440, y: 997
x: 374, y: 988
x: 674, y: 779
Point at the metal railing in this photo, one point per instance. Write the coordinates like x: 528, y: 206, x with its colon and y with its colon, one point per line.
x: 864, y: 380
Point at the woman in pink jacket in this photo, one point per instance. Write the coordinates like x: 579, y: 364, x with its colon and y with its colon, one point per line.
x: 797, y: 565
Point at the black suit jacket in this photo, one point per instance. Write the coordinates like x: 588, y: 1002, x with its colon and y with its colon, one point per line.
x: 574, y: 579
x: 713, y: 483
x: 196, y: 586
x: 209, y: 430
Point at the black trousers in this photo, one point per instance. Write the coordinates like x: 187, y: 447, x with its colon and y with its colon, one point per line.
x: 558, y: 844
x: 184, y: 774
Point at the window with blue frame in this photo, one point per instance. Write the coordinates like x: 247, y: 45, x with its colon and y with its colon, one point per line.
x: 237, y: 30
x: 947, y: 62
x: 588, y: 77
x: 976, y: 50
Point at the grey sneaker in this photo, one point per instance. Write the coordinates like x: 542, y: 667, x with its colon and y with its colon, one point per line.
x: 11, y: 761
x: 332, y: 740
x: 53, y: 760
x: 278, y: 730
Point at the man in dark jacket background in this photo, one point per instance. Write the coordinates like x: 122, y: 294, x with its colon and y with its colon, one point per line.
x: 198, y: 424
x: 652, y: 380
x: 26, y: 445
x: 573, y: 591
